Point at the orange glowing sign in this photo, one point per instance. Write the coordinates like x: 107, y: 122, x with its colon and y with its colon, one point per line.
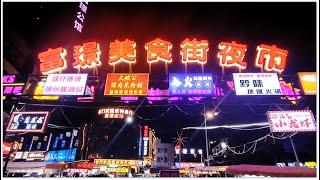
x: 87, y: 55
x: 308, y: 82
x: 53, y: 60
x: 158, y: 49
x: 271, y: 58
x: 128, y: 84
x: 232, y: 54
x: 194, y: 51
x: 122, y: 51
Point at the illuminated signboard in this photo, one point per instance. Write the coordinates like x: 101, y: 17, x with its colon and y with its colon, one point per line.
x: 194, y: 51
x: 188, y: 164
x: 145, y: 140
x: 36, y: 155
x: 117, y: 162
x: 27, y: 121
x: 65, y: 84
x: 308, y: 82
x: 232, y: 54
x: 6, y: 148
x: 61, y: 155
x: 271, y: 58
x: 122, y: 51
x: 199, y: 84
x: 11, y: 85
x: 89, y: 95
x: 158, y: 50
x: 291, y: 121
x: 86, y: 55
x: 38, y: 92
x: 128, y: 84
x: 115, y: 112
x: 79, y: 22
x: 53, y: 60
x: 256, y: 84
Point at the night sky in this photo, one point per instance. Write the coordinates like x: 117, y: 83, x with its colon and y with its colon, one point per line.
x: 35, y: 27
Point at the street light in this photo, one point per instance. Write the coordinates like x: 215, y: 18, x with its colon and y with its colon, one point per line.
x: 192, y: 151
x: 223, y: 145
x: 129, y: 119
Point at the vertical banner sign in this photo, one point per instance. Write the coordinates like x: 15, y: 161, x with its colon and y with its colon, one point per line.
x: 145, y: 140
x: 128, y: 84
x: 27, y: 121
x: 308, y: 82
x: 80, y: 16
x: 291, y: 121
x: 65, y: 84
x: 191, y: 84
x: 257, y: 84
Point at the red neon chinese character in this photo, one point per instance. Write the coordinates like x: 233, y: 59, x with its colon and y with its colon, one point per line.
x: 87, y: 55
x: 53, y: 60
x: 122, y: 51
x: 271, y: 58
x: 194, y: 51
x: 232, y: 54
x: 158, y: 49
x: 280, y: 124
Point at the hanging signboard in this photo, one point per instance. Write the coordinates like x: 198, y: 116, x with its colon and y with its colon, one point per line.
x: 145, y: 140
x: 308, y: 82
x: 257, y: 84
x: 291, y: 121
x: 115, y: 112
x: 191, y: 84
x: 6, y: 148
x: 33, y: 121
x: 11, y: 85
x: 128, y: 84
x: 65, y: 84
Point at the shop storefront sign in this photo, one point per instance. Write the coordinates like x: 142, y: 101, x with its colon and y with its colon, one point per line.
x: 291, y: 121
x: 127, y: 84
x: 192, y: 84
x: 33, y: 121
x: 115, y: 112
x: 308, y: 82
x: 12, y: 86
x: 65, y: 84
x: 254, y: 84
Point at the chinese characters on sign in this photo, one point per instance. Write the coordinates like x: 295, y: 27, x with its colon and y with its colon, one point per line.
x: 128, y: 84
x: 53, y: 60
x: 118, y: 162
x: 271, y: 58
x: 122, y: 51
x: 256, y: 84
x: 291, y: 121
x: 86, y: 55
x: 65, y: 84
x: 61, y: 155
x: 194, y: 51
x: 115, y: 112
x: 231, y: 54
x: 79, y: 22
x: 158, y: 49
x: 308, y: 82
x: 145, y: 140
x: 10, y: 86
x: 27, y: 121
x: 199, y: 84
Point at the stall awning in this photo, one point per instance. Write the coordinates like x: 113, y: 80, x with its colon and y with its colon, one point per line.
x: 273, y: 171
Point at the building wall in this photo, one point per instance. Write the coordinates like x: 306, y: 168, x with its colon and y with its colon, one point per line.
x: 164, y: 156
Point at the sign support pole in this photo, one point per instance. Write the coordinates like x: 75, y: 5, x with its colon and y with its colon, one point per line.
x: 295, y: 152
